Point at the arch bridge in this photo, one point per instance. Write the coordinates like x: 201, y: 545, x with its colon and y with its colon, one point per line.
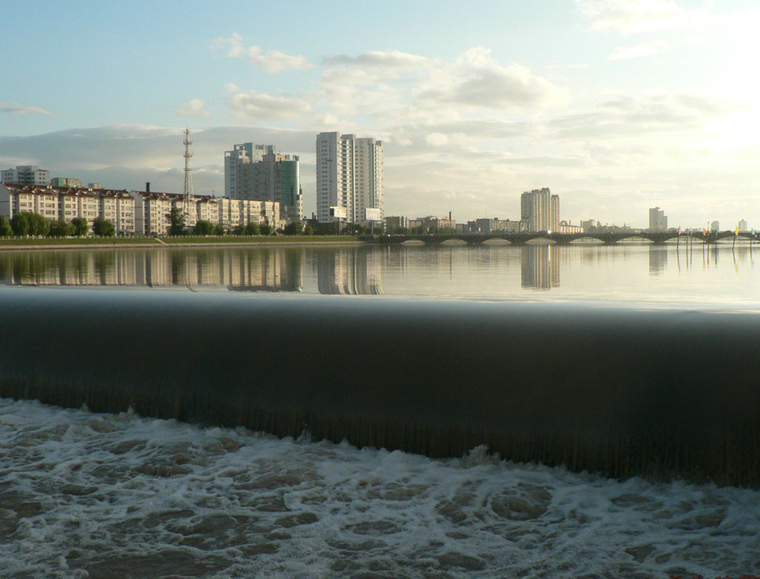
x: 558, y: 238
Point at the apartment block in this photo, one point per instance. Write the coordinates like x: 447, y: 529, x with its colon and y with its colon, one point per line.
x: 26, y: 175
x: 539, y: 210
x: 66, y: 203
x: 350, y: 179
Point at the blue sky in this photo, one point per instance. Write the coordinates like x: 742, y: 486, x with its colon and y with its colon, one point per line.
x: 617, y: 105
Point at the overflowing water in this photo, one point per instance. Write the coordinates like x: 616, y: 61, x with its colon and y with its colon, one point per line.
x: 98, y: 495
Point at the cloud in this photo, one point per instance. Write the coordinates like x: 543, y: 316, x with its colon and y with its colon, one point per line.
x: 271, y: 61
x: 17, y: 109
x: 478, y: 80
x: 631, y: 16
x: 262, y: 106
x: 639, y: 51
x: 379, y: 59
x: 194, y: 108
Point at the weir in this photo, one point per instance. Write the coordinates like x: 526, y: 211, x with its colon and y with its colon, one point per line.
x: 618, y: 390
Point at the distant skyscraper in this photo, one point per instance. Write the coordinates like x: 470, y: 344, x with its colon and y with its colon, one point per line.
x: 350, y: 178
x: 715, y: 226
x: 26, y: 175
x: 658, y: 221
x: 539, y: 209
x: 742, y: 225
x: 259, y: 173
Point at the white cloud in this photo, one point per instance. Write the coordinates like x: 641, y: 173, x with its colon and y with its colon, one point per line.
x: 639, y: 50
x: 631, y: 16
x: 261, y: 106
x: 271, y: 61
x: 479, y: 80
x: 194, y: 108
x: 17, y: 109
x: 380, y: 59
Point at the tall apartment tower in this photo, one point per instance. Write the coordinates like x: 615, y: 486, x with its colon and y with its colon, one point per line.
x: 26, y: 175
x: 539, y: 209
x: 658, y: 221
x: 259, y: 173
x: 350, y: 178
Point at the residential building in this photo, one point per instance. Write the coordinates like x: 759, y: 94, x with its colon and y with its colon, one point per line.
x: 396, y: 224
x: 539, y: 210
x: 26, y: 175
x: 259, y: 173
x: 742, y: 226
x: 350, y: 179
x: 67, y: 203
x: 68, y: 182
x: 715, y: 226
x: 568, y: 228
x: 658, y: 221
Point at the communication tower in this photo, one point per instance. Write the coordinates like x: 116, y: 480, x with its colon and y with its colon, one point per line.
x: 188, y: 203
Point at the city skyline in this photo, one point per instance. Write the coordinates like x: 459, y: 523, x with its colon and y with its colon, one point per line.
x: 624, y: 106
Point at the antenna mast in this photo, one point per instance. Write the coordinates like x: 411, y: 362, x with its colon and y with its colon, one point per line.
x: 188, y: 178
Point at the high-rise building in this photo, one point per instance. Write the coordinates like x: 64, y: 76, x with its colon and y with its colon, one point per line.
x: 259, y: 173
x: 66, y: 182
x: 539, y: 209
x: 658, y: 221
x: 26, y: 175
x: 350, y: 181
x: 715, y: 226
x: 742, y: 225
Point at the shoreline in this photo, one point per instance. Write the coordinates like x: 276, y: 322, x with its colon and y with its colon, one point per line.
x: 158, y: 243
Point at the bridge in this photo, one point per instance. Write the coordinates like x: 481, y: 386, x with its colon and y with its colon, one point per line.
x: 558, y: 238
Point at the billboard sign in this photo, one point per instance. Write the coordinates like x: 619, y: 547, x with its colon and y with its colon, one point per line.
x: 339, y: 212
x: 372, y: 214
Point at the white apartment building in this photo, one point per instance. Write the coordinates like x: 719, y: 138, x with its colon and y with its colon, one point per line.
x: 658, y: 221
x: 26, y: 175
x: 65, y: 203
x: 539, y: 209
x: 350, y: 178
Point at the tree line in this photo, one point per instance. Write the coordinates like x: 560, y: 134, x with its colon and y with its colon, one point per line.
x: 27, y: 223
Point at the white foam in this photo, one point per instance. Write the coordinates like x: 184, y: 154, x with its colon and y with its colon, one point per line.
x: 93, y: 495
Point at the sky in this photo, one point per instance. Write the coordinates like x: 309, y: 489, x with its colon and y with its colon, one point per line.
x: 616, y: 105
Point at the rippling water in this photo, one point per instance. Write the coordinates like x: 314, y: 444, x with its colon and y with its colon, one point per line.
x: 93, y: 495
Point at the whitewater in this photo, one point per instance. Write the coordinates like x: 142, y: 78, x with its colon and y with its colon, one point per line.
x: 100, y: 495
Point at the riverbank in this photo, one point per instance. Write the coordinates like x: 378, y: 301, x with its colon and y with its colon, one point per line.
x: 23, y: 244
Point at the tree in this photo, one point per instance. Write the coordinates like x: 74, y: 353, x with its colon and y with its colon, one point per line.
x: 20, y: 224
x: 266, y: 229
x: 219, y: 229
x: 177, y: 221
x: 252, y: 229
x: 203, y: 227
x: 308, y: 230
x: 238, y: 230
x: 103, y: 227
x: 5, y: 227
x: 294, y: 228
x: 60, y: 228
x: 80, y: 226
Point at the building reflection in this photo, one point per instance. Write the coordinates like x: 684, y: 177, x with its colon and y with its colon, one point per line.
x: 658, y: 259
x: 540, y: 266
x: 267, y: 269
x: 350, y: 272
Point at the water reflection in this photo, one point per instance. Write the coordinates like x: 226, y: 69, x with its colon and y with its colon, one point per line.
x: 280, y: 269
x: 540, y: 266
x: 354, y: 272
x: 633, y: 272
